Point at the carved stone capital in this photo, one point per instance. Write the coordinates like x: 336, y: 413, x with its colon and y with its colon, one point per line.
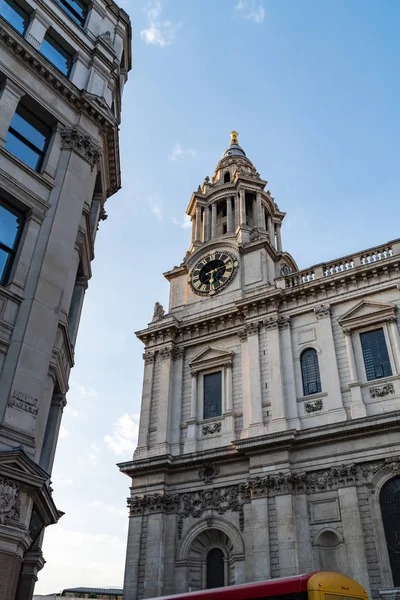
x: 271, y: 322
x: 322, y: 311
x: 252, y: 328
x: 284, y: 322
x: 74, y: 138
x: 149, y: 357
x: 242, y: 333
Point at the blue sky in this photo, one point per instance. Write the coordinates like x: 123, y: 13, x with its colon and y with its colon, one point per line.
x: 313, y: 89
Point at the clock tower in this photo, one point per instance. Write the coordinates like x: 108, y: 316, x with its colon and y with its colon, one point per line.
x: 259, y: 432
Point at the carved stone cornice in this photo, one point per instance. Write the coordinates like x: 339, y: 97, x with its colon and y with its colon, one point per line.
x: 322, y: 311
x: 74, y: 138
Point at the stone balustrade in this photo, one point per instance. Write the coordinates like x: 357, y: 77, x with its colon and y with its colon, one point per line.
x: 341, y: 265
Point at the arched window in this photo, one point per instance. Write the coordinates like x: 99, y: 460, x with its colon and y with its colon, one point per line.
x: 390, y: 507
x: 310, y: 372
x: 227, y: 177
x: 215, y: 568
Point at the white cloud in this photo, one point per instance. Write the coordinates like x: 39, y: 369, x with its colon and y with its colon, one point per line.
x: 122, y: 512
x: 159, y: 32
x: 61, y: 482
x: 178, y: 151
x: 64, y: 433
x: 123, y: 439
x: 185, y: 223
x: 252, y: 10
x: 84, y: 392
x: 156, y: 210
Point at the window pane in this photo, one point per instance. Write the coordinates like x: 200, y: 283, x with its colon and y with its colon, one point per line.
x: 3, y: 263
x: 310, y: 372
x: 22, y: 151
x: 11, y: 12
x: 376, y: 357
x: 75, y: 9
x: 59, y: 57
x: 9, y: 223
x: 29, y: 127
x: 212, y: 395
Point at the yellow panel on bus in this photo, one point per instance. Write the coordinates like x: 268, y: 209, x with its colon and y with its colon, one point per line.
x: 327, y: 585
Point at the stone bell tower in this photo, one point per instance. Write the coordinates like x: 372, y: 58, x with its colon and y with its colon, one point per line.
x: 269, y: 408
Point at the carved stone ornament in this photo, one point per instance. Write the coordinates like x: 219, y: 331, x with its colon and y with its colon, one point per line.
x: 73, y: 138
x: 271, y: 322
x: 211, y: 428
x: 148, y: 357
x: 10, y: 505
x: 380, y: 392
x: 311, y: 407
x: 162, y: 502
x: 171, y: 352
x: 208, y: 471
x: 284, y: 322
x: 158, y: 312
x: 106, y: 37
x: 242, y: 335
x: 322, y: 311
x: 252, y: 328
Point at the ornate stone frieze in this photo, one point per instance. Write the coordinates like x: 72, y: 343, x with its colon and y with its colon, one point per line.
x: 311, y: 407
x: 73, y: 138
x: 380, y: 392
x: 220, y: 500
x: 149, y: 357
x: 208, y: 472
x: 10, y: 505
x: 153, y: 503
x: 211, y: 428
x: 322, y: 311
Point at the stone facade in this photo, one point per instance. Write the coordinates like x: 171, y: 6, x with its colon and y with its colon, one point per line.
x: 286, y: 477
x: 62, y: 75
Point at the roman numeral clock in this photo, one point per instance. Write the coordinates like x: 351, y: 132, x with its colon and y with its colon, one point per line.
x: 212, y: 273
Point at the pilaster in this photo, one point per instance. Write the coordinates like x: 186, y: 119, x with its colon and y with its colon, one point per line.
x: 144, y: 425
x: 287, y: 535
x: 10, y: 95
x: 358, y: 408
x: 279, y: 413
x: 289, y: 380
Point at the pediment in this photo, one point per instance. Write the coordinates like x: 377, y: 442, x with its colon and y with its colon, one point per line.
x: 366, y: 313
x: 16, y: 463
x: 211, y: 357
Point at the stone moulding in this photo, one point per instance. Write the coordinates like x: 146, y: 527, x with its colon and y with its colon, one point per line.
x: 381, y: 392
x: 74, y: 138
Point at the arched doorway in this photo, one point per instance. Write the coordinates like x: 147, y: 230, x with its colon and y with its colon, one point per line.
x: 215, y: 569
x: 390, y: 509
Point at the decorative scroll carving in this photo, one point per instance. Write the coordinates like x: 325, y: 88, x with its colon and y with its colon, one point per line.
x: 158, y: 313
x: 380, y: 392
x: 10, y: 505
x: 195, y: 504
x: 333, y: 477
x: 153, y: 503
x: 208, y: 472
x: 311, y: 407
x: 149, y: 357
x: 322, y: 311
x: 211, y: 428
x: 73, y: 138
x: 24, y: 402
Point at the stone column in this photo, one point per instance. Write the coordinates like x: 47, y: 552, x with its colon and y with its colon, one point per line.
x: 143, y: 438
x: 263, y: 219
x: 75, y: 311
x: 229, y: 214
x: 198, y: 224
x: 176, y: 401
x: 237, y: 211
x: 289, y: 380
x: 242, y: 208
x: 155, y: 549
x: 253, y: 346
x: 278, y: 238
x: 278, y: 407
x: 133, y: 553
x: 328, y: 366
x: 287, y: 535
x: 193, y: 220
x: 10, y: 96
x: 353, y: 534
x: 57, y: 405
x: 260, y: 563
x: 394, y: 333
x: 304, y: 547
x: 358, y: 408
x: 191, y: 441
x: 213, y: 220
x: 270, y: 230
x: 259, y: 221
x: 27, y: 244
x: 228, y: 423
x: 206, y: 228
x: 167, y: 355
x: 33, y: 563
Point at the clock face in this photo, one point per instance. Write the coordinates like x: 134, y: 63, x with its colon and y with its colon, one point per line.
x: 212, y: 272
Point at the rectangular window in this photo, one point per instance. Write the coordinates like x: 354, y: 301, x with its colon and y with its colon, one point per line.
x: 10, y: 227
x: 376, y: 357
x: 76, y: 9
x: 27, y: 137
x: 14, y: 14
x: 56, y: 54
x: 212, y: 395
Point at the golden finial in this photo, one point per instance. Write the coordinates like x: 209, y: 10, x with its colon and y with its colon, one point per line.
x: 234, y: 137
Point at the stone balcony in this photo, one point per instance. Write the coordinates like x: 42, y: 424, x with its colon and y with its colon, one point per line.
x: 353, y: 263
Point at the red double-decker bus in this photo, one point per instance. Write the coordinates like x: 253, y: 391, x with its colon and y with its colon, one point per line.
x: 322, y: 585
